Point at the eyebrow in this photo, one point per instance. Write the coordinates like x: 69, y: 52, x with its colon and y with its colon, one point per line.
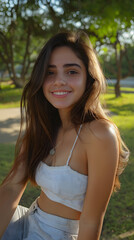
x: 65, y: 65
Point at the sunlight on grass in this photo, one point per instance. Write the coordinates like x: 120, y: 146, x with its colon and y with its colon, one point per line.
x: 121, y: 88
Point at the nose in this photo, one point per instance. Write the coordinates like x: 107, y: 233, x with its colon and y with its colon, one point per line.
x: 59, y: 80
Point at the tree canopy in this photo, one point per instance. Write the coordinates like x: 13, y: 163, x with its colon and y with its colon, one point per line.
x: 26, y: 24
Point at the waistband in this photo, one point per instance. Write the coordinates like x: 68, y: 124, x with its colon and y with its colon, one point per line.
x: 65, y: 224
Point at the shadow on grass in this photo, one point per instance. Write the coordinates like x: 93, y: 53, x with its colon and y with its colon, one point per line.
x: 129, y: 108
x: 9, y: 130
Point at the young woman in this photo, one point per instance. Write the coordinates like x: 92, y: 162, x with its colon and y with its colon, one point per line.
x: 69, y: 148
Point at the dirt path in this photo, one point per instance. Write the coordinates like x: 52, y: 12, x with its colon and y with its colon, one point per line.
x: 9, y: 125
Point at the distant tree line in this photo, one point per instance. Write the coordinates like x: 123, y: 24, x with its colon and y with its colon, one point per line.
x: 26, y: 25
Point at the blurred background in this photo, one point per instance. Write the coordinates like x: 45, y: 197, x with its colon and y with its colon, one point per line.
x: 25, y: 25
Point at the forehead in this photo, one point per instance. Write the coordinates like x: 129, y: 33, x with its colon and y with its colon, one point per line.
x: 63, y: 55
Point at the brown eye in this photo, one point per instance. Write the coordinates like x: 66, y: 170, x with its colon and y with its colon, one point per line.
x: 49, y: 73
x: 72, y: 72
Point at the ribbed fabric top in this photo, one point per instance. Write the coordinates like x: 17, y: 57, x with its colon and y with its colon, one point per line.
x: 62, y: 184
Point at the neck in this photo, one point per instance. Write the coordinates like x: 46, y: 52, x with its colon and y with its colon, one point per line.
x: 65, y: 119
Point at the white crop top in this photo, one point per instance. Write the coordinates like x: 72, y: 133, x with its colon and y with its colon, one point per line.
x: 62, y: 184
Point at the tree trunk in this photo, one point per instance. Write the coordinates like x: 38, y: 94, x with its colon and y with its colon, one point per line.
x: 19, y: 83
x: 117, y: 85
x: 118, y: 55
x: 117, y: 89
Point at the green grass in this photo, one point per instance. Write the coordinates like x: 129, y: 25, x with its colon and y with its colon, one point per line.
x: 120, y: 213
x: 6, y: 160
x: 111, y: 87
x: 6, y: 157
x: 9, y: 96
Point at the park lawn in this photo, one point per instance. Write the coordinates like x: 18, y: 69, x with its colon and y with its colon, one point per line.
x: 6, y: 160
x: 111, y: 87
x: 10, y: 96
x: 120, y: 213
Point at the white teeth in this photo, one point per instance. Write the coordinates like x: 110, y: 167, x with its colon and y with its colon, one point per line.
x: 60, y: 93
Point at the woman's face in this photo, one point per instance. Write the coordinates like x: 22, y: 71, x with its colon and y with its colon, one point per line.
x: 66, y: 78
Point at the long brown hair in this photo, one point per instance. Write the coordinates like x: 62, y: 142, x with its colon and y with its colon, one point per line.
x: 42, y: 120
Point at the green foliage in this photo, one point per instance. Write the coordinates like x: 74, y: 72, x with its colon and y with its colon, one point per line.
x: 101, y: 19
x: 21, y: 37
x: 109, y: 64
x: 26, y: 25
x: 128, y: 61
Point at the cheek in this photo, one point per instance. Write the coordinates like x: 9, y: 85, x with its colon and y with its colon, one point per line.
x: 82, y: 84
x: 84, y: 81
x: 45, y: 88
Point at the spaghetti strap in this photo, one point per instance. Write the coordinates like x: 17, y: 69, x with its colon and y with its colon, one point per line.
x: 73, y: 145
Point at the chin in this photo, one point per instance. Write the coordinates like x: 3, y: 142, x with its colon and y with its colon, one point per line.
x: 59, y: 107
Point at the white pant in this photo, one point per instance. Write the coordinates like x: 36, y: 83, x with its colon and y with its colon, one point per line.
x: 34, y: 224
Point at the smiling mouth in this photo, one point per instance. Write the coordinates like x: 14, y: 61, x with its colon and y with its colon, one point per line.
x: 61, y: 93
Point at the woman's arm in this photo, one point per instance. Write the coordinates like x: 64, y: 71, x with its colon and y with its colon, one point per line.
x: 102, y: 154
x: 10, y: 193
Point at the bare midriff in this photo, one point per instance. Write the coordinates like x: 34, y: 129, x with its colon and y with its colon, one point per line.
x: 58, y: 209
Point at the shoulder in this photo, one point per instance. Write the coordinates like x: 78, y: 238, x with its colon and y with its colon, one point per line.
x: 100, y: 141
x: 99, y: 130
